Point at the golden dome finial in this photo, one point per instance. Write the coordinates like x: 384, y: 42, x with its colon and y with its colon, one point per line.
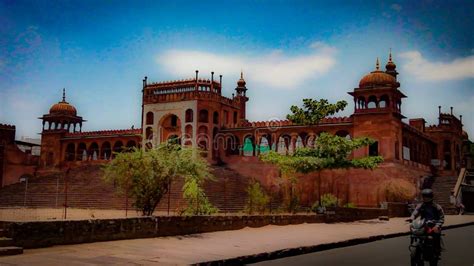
x: 377, y: 64
x: 64, y: 94
x: 390, y: 55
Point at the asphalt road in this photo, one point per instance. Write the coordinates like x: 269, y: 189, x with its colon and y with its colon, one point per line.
x: 458, y: 243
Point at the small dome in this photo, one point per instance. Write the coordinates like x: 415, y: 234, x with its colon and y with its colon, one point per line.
x: 63, y: 107
x: 377, y: 78
x: 241, y: 82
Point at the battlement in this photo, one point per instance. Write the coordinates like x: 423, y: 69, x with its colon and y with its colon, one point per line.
x: 136, y: 131
x: 7, y: 127
x: 282, y: 123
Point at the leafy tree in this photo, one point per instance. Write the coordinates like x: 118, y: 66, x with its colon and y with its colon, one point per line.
x: 147, y: 175
x: 257, y: 198
x: 329, y: 151
x: 197, y: 201
x: 314, y: 111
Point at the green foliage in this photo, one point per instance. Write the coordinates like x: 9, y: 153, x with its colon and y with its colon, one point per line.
x: 349, y: 205
x: 197, y: 201
x: 314, y: 111
x: 327, y: 200
x: 257, y: 198
x: 329, y: 152
x: 147, y: 175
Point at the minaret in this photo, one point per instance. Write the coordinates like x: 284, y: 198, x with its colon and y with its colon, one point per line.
x: 241, y: 96
x: 390, y: 67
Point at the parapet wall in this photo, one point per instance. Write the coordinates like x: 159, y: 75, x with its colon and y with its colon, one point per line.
x: 47, y: 233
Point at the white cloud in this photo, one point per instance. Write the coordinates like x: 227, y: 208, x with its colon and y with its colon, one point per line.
x: 421, y: 68
x: 274, y: 69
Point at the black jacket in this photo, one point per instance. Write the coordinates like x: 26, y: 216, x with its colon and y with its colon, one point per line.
x: 429, y: 211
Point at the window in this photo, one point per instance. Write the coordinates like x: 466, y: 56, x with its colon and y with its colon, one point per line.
x: 215, y: 118
x: 203, y: 116
x: 174, y: 121
x: 374, y: 149
x: 149, y: 118
x: 235, y: 117
x: 189, y: 115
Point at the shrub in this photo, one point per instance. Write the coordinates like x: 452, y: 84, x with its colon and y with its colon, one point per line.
x: 197, y: 201
x: 327, y: 200
x: 349, y: 205
x: 398, y: 190
x: 257, y: 198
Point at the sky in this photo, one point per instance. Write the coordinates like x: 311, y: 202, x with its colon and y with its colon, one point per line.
x: 288, y: 50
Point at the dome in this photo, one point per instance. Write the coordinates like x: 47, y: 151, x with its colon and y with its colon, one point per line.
x: 63, y: 108
x: 377, y: 78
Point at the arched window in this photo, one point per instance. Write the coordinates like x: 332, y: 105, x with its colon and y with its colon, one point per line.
x: 94, y: 151
x: 384, y: 101
x: 81, y: 153
x: 189, y: 116
x: 215, y: 117
x: 149, y: 118
x: 203, y: 116
x: 361, y: 103
x: 264, y: 146
x: 372, y: 102
x: 131, y: 144
x: 248, y: 147
x: 118, y: 146
x: 106, y: 151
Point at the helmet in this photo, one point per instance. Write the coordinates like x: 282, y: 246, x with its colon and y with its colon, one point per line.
x: 427, y: 195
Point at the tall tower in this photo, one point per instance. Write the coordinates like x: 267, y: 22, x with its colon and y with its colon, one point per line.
x: 241, y: 96
x: 377, y: 112
x: 62, y: 118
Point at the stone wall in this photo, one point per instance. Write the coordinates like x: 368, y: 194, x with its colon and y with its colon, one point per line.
x: 48, y: 233
x: 364, y: 188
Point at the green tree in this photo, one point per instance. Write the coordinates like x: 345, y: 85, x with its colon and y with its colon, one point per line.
x: 329, y: 151
x: 196, y: 199
x: 147, y: 175
x: 257, y: 198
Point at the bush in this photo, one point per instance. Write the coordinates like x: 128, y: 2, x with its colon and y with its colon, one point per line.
x: 197, y: 201
x: 398, y: 190
x: 349, y: 205
x: 327, y: 200
x: 257, y: 198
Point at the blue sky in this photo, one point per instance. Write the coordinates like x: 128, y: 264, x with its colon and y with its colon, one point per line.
x: 289, y: 50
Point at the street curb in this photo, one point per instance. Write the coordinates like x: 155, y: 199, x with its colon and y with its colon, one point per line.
x: 277, y: 254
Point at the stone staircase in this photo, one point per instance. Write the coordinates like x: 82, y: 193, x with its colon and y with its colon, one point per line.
x: 442, y: 187
x: 87, y: 190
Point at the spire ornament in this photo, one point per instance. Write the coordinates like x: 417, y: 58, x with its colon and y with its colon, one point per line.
x: 64, y: 94
x: 377, y: 64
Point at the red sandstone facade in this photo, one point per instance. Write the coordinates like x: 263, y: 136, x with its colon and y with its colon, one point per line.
x: 195, y: 113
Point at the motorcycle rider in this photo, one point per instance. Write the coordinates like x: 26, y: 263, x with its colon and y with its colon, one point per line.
x: 430, y: 210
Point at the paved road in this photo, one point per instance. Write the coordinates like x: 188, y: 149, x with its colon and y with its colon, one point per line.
x: 459, y: 245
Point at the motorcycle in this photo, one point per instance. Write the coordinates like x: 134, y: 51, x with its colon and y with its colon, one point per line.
x: 422, y: 243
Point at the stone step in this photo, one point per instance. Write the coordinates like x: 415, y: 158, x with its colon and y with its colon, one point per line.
x: 6, y: 242
x: 8, y: 251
